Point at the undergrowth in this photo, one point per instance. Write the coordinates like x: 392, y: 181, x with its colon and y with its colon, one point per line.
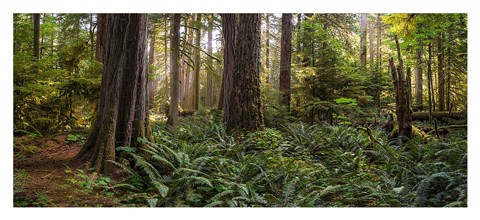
x: 197, y: 164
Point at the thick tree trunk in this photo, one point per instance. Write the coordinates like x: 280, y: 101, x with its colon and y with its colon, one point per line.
x: 121, y: 114
x: 285, y: 60
x: 419, y: 80
x: 36, y: 36
x: 209, y: 95
x: 363, y: 40
x: 175, y: 71
x: 101, y: 36
x: 196, y: 77
x: 229, y: 32
x: 245, y: 104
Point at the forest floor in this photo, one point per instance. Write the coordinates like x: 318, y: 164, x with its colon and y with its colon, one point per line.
x: 48, y: 176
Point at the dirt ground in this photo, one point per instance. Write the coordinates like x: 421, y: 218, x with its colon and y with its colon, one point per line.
x: 44, y: 177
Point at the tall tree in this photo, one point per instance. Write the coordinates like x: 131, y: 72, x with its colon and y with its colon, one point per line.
x: 379, y: 42
x: 431, y: 106
x: 151, y: 72
x: 209, y: 95
x: 440, y: 74
x: 245, y: 110
x: 285, y: 59
x: 363, y: 40
x: 196, y: 77
x: 419, y: 79
x: 267, y: 46
x: 36, y: 40
x: 229, y: 33
x: 121, y: 114
x: 175, y: 70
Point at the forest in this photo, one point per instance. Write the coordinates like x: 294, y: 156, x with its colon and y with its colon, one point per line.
x: 240, y: 110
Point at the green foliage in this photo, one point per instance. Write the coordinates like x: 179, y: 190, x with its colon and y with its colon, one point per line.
x: 295, y: 166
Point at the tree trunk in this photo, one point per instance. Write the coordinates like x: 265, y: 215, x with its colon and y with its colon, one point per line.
x: 379, y: 62
x: 404, y: 117
x: 245, y: 104
x: 285, y: 60
x: 101, y: 35
x: 175, y: 71
x: 379, y: 42
x: 229, y: 32
x: 121, y: 114
x: 440, y: 74
x: 151, y: 72
x: 371, y: 46
x: 409, y: 85
x: 363, y: 40
x: 430, y: 84
x: 190, y: 72
x: 267, y: 46
x: 448, y: 79
x: 209, y: 94
x: 419, y: 80
x: 36, y: 40
x: 196, y: 77
x: 165, y: 42
x: 299, y: 27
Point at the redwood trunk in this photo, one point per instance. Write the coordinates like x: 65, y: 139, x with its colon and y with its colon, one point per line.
x: 175, y: 71
x: 245, y: 105
x: 121, y: 114
x: 285, y: 59
x: 229, y: 31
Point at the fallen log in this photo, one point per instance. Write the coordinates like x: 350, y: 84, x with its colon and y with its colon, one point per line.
x: 424, y: 116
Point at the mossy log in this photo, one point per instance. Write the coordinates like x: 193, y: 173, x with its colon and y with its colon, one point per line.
x: 424, y: 116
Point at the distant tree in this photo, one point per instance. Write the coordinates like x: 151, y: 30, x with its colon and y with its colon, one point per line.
x: 245, y: 110
x: 151, y: 72
x: 197, y: 61
x: 286, y: 59
x: 419, y: 79
x: 363, y: 40
x: 440, y: 73
x: 209, y: 101
x: 36, y: 40
x: 121, y: 114
x: 175, y: 71
x: 267, y: 46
